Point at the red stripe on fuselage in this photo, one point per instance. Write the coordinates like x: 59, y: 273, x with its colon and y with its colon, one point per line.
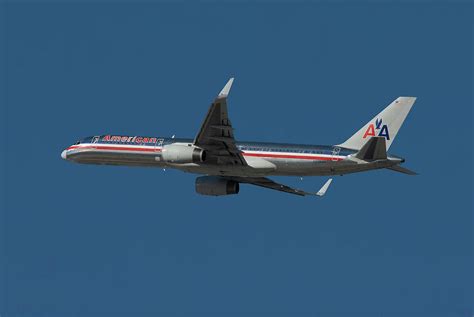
x: 290, y: 156
x: 152, y: 149
x: 115, y: 148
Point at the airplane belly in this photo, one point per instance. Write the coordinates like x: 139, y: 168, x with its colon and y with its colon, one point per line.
x: 115, y: 158
x: 314, y: 167
x: 327, y: 168
x: 281, y: 167
x: 303, y: 167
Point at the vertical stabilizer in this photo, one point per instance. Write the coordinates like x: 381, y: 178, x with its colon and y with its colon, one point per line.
x: 386, y: 124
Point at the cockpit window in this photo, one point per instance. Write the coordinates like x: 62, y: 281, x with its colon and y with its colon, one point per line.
x: 78, y: 142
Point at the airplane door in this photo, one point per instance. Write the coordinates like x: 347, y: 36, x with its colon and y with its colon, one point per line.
x: 96, y: 139
x: 335, y: 152
x: 158, y: 145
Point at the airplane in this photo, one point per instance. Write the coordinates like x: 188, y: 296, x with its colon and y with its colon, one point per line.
x: 226, y: 163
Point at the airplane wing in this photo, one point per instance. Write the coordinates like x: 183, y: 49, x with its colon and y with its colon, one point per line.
x: 216, y: 134
x: 268, y: 183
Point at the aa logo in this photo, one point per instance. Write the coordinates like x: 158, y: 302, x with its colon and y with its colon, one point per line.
x: 381, y: 129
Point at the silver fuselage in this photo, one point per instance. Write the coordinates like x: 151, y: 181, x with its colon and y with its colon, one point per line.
x: 264, y: 159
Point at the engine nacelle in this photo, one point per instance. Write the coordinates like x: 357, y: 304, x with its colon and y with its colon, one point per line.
x: 216, y: 186
x: 182, y: 153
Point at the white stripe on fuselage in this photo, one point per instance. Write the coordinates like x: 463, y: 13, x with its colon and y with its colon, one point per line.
x: 153, y: 148
x: 294, y: 153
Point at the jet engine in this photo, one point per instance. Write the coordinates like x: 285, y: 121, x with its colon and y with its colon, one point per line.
x: 216, y: 186
x: 182, y: 153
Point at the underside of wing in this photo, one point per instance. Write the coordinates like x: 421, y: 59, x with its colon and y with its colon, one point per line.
x: 216, y: 135
x: 268, y: 183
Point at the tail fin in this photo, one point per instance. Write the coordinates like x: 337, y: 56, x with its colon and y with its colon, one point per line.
x: 385, y: 124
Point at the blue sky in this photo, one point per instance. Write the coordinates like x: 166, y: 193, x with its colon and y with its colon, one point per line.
x: 96, y: 241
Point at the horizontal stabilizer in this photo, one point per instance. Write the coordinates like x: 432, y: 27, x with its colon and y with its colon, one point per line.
x: 400, y: 169
x: 373, y: 150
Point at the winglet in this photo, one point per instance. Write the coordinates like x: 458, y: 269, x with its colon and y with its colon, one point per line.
x: 325, y: 187
x: 225, y: 91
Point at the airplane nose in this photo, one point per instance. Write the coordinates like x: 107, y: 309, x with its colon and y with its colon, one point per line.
x: 64, y: 154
